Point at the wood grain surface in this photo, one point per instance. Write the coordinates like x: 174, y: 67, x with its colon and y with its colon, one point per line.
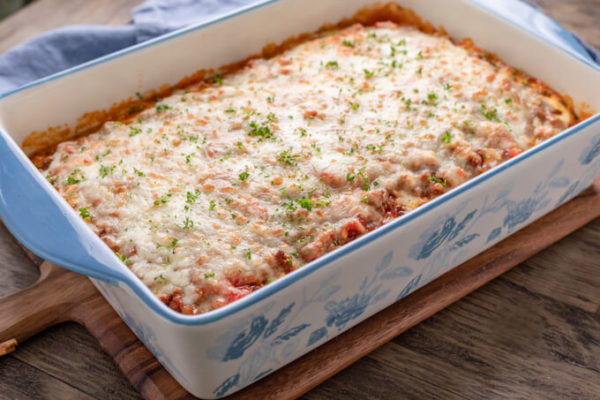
x: 532, y: 333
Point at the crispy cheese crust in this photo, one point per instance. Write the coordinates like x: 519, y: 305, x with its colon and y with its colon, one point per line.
x: 224, y: 187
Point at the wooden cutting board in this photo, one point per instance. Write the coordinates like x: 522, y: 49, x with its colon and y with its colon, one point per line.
x: 61, y: 295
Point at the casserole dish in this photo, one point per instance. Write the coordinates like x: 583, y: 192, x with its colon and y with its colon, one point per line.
x: 217, y: 353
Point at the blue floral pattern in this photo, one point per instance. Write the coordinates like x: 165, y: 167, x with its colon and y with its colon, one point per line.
x: 246, y: 338
x: 520, y: 211
x: 341, y: 312
x: 440, y: 234
x: 143, y: 331
x: 227, y: 385
x: 264, y: 342
x: 494, y: 234
x: 316, y: 335
x: 446, y: 242
x: 261, y: 340
x: 591, y: 151
x: 264, y: 348
x: 412, y: 285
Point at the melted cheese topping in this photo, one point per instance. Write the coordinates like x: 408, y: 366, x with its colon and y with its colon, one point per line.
x: 222, y: 188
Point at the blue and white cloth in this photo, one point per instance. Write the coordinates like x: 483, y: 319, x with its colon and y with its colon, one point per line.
x: 66, y: 47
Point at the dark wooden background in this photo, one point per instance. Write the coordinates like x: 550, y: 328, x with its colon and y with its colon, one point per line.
x: 533, y: 333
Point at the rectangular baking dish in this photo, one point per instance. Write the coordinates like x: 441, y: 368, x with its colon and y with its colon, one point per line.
x: 220, y: 352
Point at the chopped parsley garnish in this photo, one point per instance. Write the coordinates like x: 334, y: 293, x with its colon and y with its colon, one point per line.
x: 218, y: 79
x: 174, y: 242
x: 437, y: 180
x: 490, y: 114
x: 211, y: 275
x: 134, y: 131
x: 212, y: 205
x: 71, y: 180
x: 302, y: 131
x: 249, y: 254
x: 348, y: 43
x: 447, y: 137
x: 354, y: 106
x: 349, y: 177
x: 188, y: 223
x: 163, y: 199
x: 243, y: 176
x: 368, y: 73
x: 230, y: 110
x: 191, y: 197
x: 305, y: 203
x: 123, y: 258
x: 432, y: 96
x: 262, y: 131
x: 163, y: 107
x: 138, y: 172
x: 287, y: 157
x: 289, y: 205
x: 332, y: 64
x: 84, y: 212
x: 420, y: 70
x: 508, y: 100
x: 365, y: 180
x: 447, y: 86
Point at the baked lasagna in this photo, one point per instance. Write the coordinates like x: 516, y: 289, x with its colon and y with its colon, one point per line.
x: 221, y: 188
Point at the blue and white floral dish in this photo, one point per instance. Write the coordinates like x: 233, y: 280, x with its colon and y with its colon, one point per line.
x: 220, y: 352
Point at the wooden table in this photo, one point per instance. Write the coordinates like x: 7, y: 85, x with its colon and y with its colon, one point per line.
x: 532, y: 333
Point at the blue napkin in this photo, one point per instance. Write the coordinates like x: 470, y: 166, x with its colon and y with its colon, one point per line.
x: 66, y: 47
x: 62, y: 48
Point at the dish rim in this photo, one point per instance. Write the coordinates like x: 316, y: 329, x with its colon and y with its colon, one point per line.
x: 162, y: 310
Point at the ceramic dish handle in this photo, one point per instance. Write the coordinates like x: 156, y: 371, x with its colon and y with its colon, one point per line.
x: 50, y: 229
x: 528, y: 16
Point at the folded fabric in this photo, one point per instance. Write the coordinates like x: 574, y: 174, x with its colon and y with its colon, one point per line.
x: 157, y: 17
x: 66, y: 47
x: 63, y: 48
